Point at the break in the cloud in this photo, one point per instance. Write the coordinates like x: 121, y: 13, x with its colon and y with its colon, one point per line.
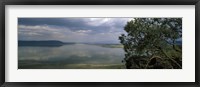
x: 96, y: 30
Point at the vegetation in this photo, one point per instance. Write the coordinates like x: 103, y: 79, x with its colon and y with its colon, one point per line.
x: 151, y: 43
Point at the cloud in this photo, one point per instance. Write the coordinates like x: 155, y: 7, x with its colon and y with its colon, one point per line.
x: 72, y: 29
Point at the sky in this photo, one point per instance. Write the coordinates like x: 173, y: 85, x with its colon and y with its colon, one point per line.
x: 86, y: 30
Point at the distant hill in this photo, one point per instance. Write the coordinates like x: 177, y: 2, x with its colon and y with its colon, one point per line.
x: 48, y: 43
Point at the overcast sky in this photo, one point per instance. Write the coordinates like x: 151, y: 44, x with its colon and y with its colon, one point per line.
x: 103, y: 30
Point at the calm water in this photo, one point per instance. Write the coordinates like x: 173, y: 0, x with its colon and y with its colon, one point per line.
x: 75, y: 56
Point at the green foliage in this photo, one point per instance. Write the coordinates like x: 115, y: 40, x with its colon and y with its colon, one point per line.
x: 150, y: 37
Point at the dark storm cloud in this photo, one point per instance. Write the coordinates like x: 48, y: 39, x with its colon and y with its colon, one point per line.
x: 73, y: 23
x: 62, y: 22
x: 71, y: 29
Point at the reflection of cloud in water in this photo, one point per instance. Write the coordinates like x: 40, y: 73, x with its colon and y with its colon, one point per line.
x: 77, y: 53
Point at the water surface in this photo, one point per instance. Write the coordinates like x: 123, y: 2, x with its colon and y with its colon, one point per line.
x: 73, y: 56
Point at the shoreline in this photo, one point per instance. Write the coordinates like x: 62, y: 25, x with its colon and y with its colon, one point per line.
x: 73, y: 66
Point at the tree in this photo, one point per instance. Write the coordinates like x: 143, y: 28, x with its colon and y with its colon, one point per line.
x: 152, y: 43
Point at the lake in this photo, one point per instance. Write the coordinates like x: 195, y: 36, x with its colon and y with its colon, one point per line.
x: 71, y: 56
